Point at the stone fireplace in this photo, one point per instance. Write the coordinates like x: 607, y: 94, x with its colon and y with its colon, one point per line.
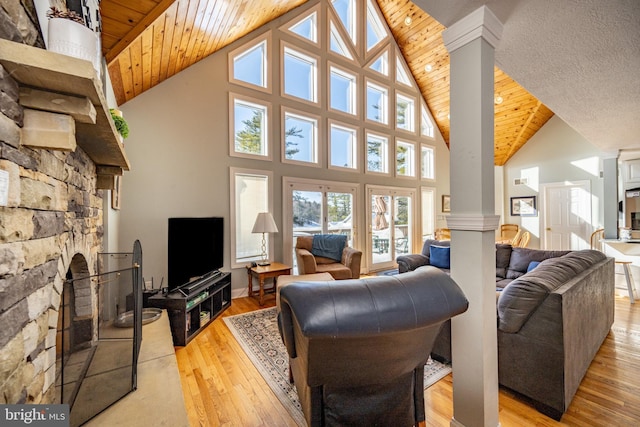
x: 51, y: 219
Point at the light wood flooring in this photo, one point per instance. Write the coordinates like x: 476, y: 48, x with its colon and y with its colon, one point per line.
x: 222, y: 388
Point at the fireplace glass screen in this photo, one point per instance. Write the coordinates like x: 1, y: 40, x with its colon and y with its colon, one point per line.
x: 97, y: 357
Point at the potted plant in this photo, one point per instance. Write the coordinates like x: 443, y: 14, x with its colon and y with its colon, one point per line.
x: 121, y: 124
x: 69, y: 35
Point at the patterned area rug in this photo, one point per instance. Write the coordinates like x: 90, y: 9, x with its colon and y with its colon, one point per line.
x: 257, y: 334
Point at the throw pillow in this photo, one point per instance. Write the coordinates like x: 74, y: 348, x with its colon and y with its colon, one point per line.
x: 532, y: 265
x: 440, y: 256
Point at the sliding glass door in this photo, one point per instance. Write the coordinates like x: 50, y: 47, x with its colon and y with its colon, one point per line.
x: 390, y: 224
x: 314, y: 207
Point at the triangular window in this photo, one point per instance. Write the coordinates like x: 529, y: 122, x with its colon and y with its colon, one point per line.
x: 337, y: 44
x: 307, y: 27
x: 402, y: 75
x: 249, y: 65
x: 346, y: 11
x: 376, y: 30
x: 426, y: 125
x: 381, y: 63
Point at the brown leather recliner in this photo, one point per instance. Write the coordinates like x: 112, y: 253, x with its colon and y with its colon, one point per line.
x: 357, y: 348
x: 347, y: 268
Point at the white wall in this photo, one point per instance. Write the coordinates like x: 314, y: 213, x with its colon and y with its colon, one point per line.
x: 179, y: 152
x: 556, y: 153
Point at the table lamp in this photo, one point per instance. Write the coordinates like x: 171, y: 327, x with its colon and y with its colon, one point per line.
x: 264, y: 224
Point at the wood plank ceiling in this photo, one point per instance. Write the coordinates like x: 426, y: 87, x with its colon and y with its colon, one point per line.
x: 148, y: 41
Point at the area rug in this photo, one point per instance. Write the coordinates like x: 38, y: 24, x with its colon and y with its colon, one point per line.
x: 257, y: 334
x: 392, y: 272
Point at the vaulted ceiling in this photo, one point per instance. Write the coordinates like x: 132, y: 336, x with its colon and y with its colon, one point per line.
x: 148, y: 41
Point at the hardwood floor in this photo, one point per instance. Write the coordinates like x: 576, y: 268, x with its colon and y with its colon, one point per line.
x: 222, y: 388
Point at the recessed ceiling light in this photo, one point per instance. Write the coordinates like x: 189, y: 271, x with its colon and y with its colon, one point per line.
x: 498, y: 100
x: 408, y: 20
x: 428, y: 68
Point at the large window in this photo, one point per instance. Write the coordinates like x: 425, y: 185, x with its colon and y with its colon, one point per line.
x: 342, y: 95
x: 347, y: 104
x: 427, y: 163
x: 405, y: 111
x: 300, y: 75
x: 343, y: 146
x: 377, y: 153
x: 250, y: 119
x: 377, y: 103
x: 300, y: 138
x: 405, y: 159
x: 250, y: 193
x: 248, y: 65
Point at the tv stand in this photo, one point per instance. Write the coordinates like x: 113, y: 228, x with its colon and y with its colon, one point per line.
x: 192, y: 306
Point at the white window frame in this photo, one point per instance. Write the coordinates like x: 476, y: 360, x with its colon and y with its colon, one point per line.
x: 268, y: 175
x: 410, y: 162
x: 386, y: 54
x: 251, y: 102
x: 426, y: 122
x: 354, y: 146
x: 384, y: 156
x: 382, y: 88
x: 266, y: 39
x: 304, y: 56
x: 352, y: 95
x: 341, y: 36
x: 427, y: 212
x: 314, y: 15
x: 351, y: 28
x: 410, y: 117
x: 378, y: 21
x: 316, y: 136
x: 400, y: 64
x: 432, y: 162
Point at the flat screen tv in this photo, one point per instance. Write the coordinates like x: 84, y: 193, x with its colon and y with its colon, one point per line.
x: 196, y: 247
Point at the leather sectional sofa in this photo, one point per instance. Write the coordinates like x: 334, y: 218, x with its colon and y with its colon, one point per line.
x: 551, y: 320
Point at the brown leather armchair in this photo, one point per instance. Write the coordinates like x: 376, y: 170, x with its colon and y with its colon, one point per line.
x: 347, y: 268
x: 357, y: 348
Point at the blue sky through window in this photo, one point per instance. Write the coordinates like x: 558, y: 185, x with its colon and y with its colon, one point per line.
x: 304, y: 144
x: 343, y: 142
x: 250, y: 65
x: 299, y: 76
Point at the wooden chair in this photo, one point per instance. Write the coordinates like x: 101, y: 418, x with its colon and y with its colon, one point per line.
x: 443, y: 234
x: 509, y: 231
x: 523, y: 242
x: 596, y: 244
x: 516, y: 239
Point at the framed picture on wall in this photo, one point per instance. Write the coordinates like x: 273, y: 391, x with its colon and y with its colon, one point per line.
x: 524, y: 206
x: 115, y: 193
x: 446, y: 203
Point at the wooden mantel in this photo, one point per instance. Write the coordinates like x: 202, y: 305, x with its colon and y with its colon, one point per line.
x: 53, y: 72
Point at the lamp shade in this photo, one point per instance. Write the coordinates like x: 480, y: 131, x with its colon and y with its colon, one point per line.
x: 264, y: 224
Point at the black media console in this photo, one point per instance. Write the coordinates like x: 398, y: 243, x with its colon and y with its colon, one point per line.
x: 192, y: 306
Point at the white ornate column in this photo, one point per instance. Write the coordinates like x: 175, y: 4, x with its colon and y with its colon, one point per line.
x: 471, y: 43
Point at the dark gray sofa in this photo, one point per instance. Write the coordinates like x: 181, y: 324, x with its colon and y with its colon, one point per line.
x: 551, y: 320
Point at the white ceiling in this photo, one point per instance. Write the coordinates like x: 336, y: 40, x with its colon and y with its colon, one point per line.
x: 581, y: 58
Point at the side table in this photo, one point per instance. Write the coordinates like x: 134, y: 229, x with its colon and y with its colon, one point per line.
x: 272, y: 270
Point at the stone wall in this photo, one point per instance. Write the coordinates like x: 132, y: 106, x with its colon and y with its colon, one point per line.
x: 53, y: 215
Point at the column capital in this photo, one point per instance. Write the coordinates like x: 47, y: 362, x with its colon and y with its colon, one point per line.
x: 473, y: 222
x: 479, y: 23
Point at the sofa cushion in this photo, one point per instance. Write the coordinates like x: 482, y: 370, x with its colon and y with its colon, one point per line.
x: 532, y: 265
x: 521, y: 257
x: 520, y: 298
x: 440, y: 256
x: 503, y: 255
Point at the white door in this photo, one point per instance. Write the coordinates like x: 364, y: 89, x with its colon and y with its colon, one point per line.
x: 567, y: 216
x: 314, y: 207
x: 390, y: 224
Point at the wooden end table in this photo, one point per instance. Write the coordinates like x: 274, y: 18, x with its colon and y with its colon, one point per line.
x: 272, y: 270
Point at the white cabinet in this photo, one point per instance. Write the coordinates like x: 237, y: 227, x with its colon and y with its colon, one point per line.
x: 631, y: 173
